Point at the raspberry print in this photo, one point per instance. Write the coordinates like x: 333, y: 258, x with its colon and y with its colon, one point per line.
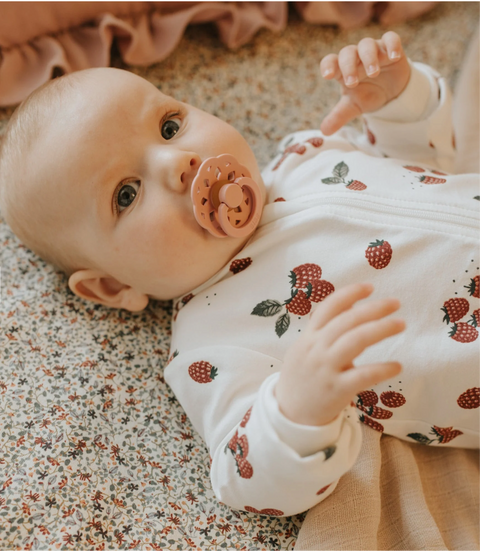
x: 316, y: 142
x: 320, y: 290
x: 240, y: 264
x: 244, y: 469
x: 375, y: 425
x: 246, y: 418
x: 239, y: 449
x: 356, y: 185
x: 270, y: 512
x: 306, y: 287
x: 375, y: 412
x: 439, y: 173
x: 470, y: 399
x: 455, y: 309
x: 379, y: 253
x: 431, y: 180
x: 414, y: 168
x: 232, y: 443
x: 443, y: 435
x: 299, y: 305
x: 475, y: 318
x: 340, y: 171
x: 463, y: 332
x: 474, y: 287
x: 304, y: 274
x: 202, y: 372
x: 295, y: 148
x: 392, y: 399
x: 367, y: 398
x: 323, y: 490
x: 279, y: 200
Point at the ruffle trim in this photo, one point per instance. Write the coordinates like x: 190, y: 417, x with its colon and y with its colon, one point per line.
x: 148, y: 37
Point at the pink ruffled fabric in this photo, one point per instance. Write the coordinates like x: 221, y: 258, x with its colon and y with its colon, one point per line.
x: 36, y: 38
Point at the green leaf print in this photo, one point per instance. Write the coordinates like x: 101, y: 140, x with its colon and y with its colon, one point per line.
x: 267, y: 308
x: 341, y: 170
x: 332, y: 180
x: 283, y: 322
x: 420, y: 438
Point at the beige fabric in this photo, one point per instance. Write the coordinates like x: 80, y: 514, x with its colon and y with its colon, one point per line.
x: 37, y: 37
x: 399, y: 496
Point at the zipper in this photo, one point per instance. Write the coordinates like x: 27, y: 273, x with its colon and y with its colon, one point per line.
x: 462, y: 218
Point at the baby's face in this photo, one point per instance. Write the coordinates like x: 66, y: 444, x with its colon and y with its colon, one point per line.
x: 128, y: 155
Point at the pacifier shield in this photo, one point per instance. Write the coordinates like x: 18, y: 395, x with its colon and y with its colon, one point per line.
x: 226, y: 201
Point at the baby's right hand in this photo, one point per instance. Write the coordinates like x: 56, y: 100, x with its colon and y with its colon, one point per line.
x: 318, y: 379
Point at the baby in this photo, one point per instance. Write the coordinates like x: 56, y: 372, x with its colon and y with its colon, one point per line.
x: 275, y: 356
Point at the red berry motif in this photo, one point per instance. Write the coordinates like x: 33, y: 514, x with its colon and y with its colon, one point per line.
x: 232, y: 443
x: 304, y: 274
x: 320, y: 290
x: 340, y: 171
x: 306, y: 287
x: 271, y: 512
x: 294, y: 148
x: 299, y: 304
x: 244, y: 469
x: 316, y: 142
x: 474, y: 287
x: 375, y: 412
x: 379, y: 254
x: 392, y: 399
x: 323, y: 490
x: 463, y: 332
x: 367, y: 398
x: 442, y: 435
x: 202, y: 372
x: 431, y: 180
x: 240, y: 264
x: 246, y: 418
x: 279, y: 200
x: 438, y: 172
x: 356, y: 185
x: 475, y: 318
x: 414, y: 168
x: 470, y: 399
x: 371, y: 423
x: 455, y: 309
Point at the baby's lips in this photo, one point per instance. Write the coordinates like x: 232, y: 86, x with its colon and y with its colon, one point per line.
x: 226, y: 201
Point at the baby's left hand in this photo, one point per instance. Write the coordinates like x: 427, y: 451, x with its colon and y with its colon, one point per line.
x: 370, y: 74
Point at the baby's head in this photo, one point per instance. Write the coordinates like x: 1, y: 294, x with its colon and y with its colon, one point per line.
x: 95, y: 176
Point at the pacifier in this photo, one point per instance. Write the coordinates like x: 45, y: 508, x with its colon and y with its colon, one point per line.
x: 226, y: 201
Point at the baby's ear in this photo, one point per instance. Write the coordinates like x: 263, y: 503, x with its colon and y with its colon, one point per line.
x: 98, y: 287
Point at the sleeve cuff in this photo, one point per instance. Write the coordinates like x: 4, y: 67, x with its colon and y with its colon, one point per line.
x: 304, y: 439
x: 419, y: 99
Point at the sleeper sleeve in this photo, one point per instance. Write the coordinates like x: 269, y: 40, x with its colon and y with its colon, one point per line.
x: 417, y: 125
x: 260, y: 461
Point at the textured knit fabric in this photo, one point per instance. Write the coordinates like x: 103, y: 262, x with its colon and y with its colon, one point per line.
x: 378, y: 207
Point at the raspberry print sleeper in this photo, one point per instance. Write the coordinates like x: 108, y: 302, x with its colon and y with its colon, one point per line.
x: 379, y: 206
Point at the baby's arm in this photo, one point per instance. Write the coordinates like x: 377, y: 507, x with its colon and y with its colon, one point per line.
x: 318, y: 379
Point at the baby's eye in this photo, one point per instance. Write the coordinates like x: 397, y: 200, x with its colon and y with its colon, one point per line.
x: 170, y: 128
x: 126, y: 195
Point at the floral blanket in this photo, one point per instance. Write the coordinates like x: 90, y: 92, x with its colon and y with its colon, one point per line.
x: 95, y: 451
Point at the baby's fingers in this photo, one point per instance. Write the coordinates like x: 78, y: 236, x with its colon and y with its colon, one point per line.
x: 352, y: 343
x: 365, y: 376
x: 392, y: 44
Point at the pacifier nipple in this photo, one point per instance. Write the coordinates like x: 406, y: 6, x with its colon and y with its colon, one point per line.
x: 226, y: 201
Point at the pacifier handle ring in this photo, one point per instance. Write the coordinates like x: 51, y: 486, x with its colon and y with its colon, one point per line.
x: 221, y: 188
